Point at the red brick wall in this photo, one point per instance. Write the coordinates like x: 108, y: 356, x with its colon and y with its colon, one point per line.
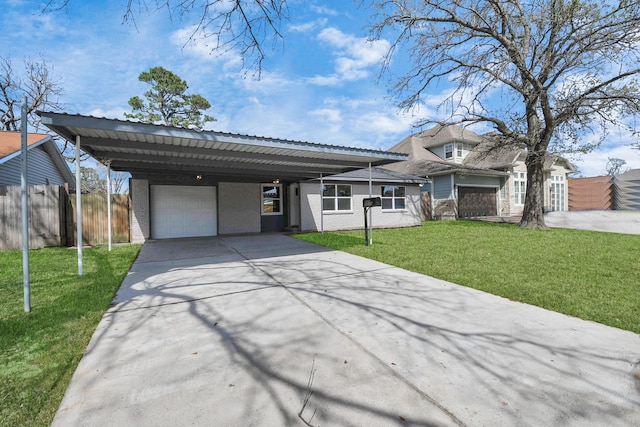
x: 594, y: 193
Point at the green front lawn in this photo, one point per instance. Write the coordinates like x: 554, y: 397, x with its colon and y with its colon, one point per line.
x: 591, y: 275
x: 40, y: 350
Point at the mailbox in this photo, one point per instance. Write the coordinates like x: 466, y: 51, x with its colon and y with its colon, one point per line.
x: 371, y: 202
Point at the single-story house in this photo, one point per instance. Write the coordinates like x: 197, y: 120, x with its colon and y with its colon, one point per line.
x: 45, y: 164
x: 471, y: 176
x: 188, y: 183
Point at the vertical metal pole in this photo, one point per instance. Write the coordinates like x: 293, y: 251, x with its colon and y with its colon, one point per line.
x: 24, y: 192
x: 370, y: 210
x: 78, y: 206
x: 321, y: 205
x: 366, y: 228
x: 109, y: 203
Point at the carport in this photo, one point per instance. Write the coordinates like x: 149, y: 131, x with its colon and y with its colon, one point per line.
x: 189, y: 183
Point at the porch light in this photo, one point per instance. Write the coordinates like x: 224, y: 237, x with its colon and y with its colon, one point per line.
x: 276, y: 181
x: 198, y: 177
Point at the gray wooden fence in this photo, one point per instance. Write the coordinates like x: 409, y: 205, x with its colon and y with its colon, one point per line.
x: 52, y: 217
x: 47, y: 216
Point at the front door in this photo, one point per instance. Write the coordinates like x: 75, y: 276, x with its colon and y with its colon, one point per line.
x: 272, y: 205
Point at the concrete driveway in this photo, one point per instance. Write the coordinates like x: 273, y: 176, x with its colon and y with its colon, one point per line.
x: 627, y: 222
x: 271, y: 331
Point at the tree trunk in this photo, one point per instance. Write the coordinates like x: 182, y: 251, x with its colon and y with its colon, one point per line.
x: 533, y: 214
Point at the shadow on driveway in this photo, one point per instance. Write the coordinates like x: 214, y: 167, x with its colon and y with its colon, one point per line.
x: 269, y: 330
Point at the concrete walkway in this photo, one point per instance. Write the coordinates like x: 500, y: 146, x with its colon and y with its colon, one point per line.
x: 271, y: 331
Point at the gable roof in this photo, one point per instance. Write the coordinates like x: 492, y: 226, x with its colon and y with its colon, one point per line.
x: 430, y: 169
x: 11, y: 143
x: 11, y: 147
x: 487, y: 157
x: 142, y: 148
x: 437, y: 136
x: 377, y: 175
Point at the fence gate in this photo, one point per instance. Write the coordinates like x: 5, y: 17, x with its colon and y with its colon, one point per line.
x: 46, y: 216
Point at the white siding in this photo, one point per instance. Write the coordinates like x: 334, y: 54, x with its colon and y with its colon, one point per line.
x: 311, y: 216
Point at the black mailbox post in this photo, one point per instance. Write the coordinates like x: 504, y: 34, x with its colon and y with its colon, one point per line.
x: 367, y: 204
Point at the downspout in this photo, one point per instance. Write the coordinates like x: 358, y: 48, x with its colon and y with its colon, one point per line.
x: 78, y: 206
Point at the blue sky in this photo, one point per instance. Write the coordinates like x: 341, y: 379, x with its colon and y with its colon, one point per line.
x: 319, y: 84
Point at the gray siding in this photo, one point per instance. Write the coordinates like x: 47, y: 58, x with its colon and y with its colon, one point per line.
x: 238, y: 208
x: 140, y: 219
x: 627, y: 190
x: 438, y: 151
x: 442, y: 187
x: 40, y: 170
x: 478, y: 181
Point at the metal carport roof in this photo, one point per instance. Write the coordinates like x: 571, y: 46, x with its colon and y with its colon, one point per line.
x: 141, y: 148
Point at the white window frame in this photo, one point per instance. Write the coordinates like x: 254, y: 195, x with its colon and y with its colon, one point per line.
x: 337, y: 198
x: 519, y: 187
x: 263, y: 199
x: 394, y: 198
x: 448, y: 151
x: 557, y: 191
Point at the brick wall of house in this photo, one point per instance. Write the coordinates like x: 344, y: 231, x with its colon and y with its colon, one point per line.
x: 595, y: 193
x: 140, y: 224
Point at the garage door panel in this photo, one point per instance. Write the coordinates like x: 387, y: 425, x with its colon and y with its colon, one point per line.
x: 182, y: 211
x: 477, y: 201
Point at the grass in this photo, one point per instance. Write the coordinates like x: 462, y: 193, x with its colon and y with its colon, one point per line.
x: 40, y: 350
x: 590, y: 275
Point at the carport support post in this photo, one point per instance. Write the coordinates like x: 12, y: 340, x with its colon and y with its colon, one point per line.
x: 321, y: 205
x: 24, y: 193
x: 109, y: 203
x: 370, y: 213
x: 78, y: 206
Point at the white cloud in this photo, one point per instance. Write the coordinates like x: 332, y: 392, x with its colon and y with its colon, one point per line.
x: 114, y: 113
x: 203, y: 46
x: 354, y: 56
x: 308, y: 26
x: 595, y: 163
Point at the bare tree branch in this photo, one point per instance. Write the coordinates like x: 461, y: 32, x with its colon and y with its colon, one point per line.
x: 570, y: 66
x: 246, y: 25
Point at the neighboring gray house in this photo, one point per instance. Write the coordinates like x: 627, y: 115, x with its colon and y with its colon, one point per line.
x: 471, y: 177
x: 45, y: 164
x: 188, y: 183
x: 627, y: 190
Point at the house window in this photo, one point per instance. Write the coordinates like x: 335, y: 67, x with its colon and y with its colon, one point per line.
x: 393, y: 197
x: 557, y: 192
x: 336, y: 197
x: 271, y: 199
x: 459, y: 149
x: 519, y: 187
x: 448, y: 151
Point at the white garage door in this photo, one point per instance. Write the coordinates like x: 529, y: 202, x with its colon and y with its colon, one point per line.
x: 180, y: 211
